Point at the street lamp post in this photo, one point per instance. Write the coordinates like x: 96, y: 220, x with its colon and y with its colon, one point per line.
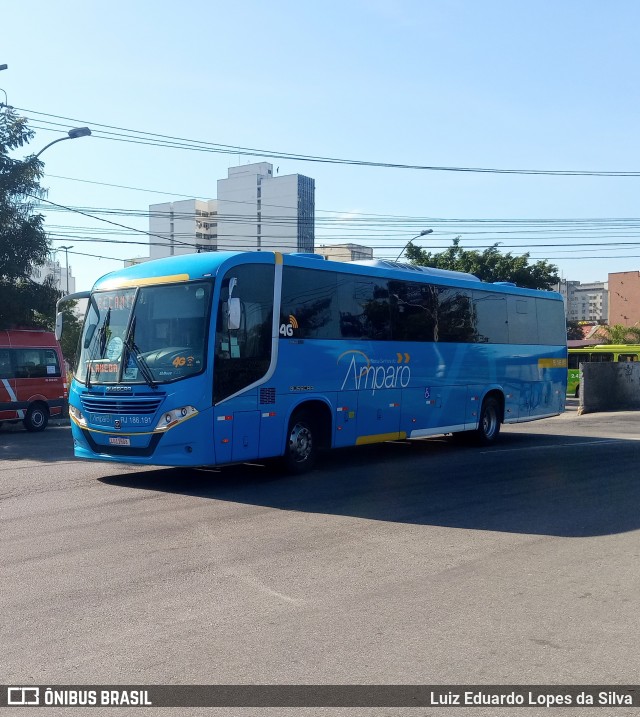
x: 417, y: 236
x: 71, y: 134
x: 66, y: 260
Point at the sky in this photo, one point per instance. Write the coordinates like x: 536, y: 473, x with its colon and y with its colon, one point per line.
x: 431, y: 83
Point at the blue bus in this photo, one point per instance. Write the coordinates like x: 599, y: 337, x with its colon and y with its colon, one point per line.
x: 226, y: 357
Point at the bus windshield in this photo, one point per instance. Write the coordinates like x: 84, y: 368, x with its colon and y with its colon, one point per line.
x: 150, y: 334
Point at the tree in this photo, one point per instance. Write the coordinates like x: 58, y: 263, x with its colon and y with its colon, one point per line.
x: 28, y: 304
x: 574, y: 331
x: 71, y: 334
x: 488, y: 265
x: 23, y: 240
x: 619, y: 334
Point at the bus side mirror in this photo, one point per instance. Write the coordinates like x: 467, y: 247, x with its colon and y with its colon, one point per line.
x: 58, y: 330
x: 234, y: 313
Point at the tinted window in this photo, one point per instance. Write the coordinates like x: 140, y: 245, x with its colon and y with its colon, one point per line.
x: 414, y: 311
x: 6, y: 370
x: 604, y: 357
x: 491, y: 317
x: 576, y: 359
x: 456, y: 321
x: 551, y: 322
x: 309, y: 303
x: 36, y: 363
x: 364, y: 308
x: 522, y: 320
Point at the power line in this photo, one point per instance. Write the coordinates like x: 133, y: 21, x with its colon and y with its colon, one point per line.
x: 150, y: 138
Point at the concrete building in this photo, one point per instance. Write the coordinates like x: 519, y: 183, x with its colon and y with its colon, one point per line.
x: 254, y: 211
x: 260, y: 211
x: 183, y: 227
x: 345, y: 252
x: 585, y: 302
x: 624, y: 298
x: 52, y: 268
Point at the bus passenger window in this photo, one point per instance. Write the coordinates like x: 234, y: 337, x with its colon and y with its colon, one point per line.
x: 576, y: 359
x: 601, y: 357
x: 626, y: 358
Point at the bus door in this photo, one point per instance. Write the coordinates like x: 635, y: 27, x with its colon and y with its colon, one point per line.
x: 242, y: 357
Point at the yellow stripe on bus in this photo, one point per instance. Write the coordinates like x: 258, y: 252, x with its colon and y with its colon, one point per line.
x: 552, y: 363
x: 379, y: 437
x: 125, y: 283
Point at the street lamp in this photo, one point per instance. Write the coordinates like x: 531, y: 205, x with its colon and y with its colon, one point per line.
x: 417, y: 236
x: 71, y: 134
x: 66, y: 258
x: 6, y: 101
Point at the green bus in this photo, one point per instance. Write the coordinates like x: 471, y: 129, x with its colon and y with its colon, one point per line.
x: 599, y: 354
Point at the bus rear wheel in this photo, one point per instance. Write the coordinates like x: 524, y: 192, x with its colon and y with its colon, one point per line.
x: 489, y: 423
x: 302, y: 444
x: 36, y: 418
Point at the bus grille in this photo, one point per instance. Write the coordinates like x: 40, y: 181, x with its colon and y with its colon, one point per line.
x: 267, y: 395
x: 135, y: 405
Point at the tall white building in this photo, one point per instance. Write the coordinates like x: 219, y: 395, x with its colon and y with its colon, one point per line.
x: 182, y: 227
x: 585, y: 302
x: 61, y: 275
x: 254, y: 211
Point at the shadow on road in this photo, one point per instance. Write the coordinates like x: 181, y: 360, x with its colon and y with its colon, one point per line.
x: 547, y: 485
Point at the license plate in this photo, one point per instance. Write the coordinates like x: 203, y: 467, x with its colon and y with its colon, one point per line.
x: 119, y: 441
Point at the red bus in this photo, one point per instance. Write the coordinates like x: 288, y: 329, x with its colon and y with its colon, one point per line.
x: 33, y: 383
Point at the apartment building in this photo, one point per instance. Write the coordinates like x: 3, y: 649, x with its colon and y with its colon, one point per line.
x: 62, y: 276
x: 585, y: 302
x: 254, y: 211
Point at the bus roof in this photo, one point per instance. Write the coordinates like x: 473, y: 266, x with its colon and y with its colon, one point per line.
x: 619, y: 348
x: 189, y: 267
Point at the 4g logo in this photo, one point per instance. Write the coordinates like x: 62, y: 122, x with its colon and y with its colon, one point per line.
x: 180, y: 361
x: 286, y: 330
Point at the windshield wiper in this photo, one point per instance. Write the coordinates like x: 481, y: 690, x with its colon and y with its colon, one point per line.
x: 132, y: 347
x: 100, y: 344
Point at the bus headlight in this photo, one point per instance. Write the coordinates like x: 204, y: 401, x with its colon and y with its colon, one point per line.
x: 170, y: 419
x: 77, y: 416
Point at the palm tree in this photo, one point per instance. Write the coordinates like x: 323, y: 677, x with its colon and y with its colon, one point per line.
x: 619, y: 334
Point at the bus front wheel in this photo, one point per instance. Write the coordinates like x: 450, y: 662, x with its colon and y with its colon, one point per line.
x: 36, y: 418
x: 302, y: 439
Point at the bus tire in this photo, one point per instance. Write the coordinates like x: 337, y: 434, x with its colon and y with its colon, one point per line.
x: 302, y: 444
x: 489, y: 423
x: 577, y: 395
x: 36, y: 418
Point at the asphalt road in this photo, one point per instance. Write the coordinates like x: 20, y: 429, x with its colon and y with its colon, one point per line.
x: 415, y: 562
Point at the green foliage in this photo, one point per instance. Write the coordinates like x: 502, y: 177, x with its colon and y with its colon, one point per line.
x: 619, y: 334
x: 574, y: 331
x: 27, y: 304
x: 23, y: 240
x: 71, y: 334
x: 489, y: 265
